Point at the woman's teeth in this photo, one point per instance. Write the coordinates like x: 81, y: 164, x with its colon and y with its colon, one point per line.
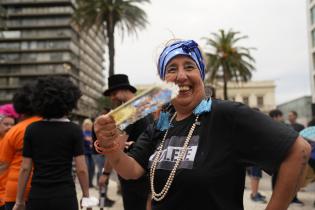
x: 184, y: 88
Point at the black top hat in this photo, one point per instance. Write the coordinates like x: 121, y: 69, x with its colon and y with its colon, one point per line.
x: 118, y: 81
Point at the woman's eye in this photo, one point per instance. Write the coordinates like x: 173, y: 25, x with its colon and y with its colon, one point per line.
x: 189, y: 66
x: 171, y: 70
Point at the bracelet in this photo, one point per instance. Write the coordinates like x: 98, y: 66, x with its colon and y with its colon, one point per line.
x: 106, y: 150
x: 105, y: 173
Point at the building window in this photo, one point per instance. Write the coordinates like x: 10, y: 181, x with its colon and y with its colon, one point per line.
x: 313, y: 38
x: 245, y: 100
x: 260, y: 101
x: 313, y: 15
x: 3, y: 82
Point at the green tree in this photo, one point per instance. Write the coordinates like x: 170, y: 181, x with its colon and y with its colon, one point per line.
x: 228, y: 62
x: 126, y: 15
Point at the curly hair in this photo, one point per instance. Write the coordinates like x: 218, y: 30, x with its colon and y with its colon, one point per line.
x: 22, y: 100
x: 55, y: 96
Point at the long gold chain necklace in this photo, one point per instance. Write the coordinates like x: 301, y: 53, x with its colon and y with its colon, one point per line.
x: 159, y: 196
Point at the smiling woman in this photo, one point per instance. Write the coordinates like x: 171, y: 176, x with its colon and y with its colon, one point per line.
x: 182, y: 63
x: 184, y: 72
x: 198, y: 160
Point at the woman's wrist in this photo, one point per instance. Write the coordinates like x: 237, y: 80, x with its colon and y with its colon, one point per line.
x: 106, y: 150
x: 85, y: 195
x: 106, y: 173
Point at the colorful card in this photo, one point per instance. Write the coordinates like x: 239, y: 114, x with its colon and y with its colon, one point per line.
x: 147, y: 102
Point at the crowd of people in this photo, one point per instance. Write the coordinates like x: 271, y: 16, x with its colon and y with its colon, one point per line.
x: 192, y: 154
x: 36, y: 153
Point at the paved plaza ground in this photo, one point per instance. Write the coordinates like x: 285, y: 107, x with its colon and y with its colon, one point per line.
x: 307, y: 195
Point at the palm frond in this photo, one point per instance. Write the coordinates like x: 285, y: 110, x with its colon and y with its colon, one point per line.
x: 228, y: 61
x: 125, y: 15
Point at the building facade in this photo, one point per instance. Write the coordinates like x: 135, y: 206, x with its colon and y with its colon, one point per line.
x: 39, y: 38
x: 260, y: 94
x: 311, y: 43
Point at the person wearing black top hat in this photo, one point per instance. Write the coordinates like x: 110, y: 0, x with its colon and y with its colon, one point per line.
x: 134, y: 192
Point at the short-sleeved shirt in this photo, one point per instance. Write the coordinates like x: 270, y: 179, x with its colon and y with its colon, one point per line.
x: 52, y: 145
x: 212, y: 175
x: 3, y: 180
x: 11, y: 153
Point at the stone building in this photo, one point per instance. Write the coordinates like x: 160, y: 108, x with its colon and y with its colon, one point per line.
x: 260, y: 94
x: 311, y: 43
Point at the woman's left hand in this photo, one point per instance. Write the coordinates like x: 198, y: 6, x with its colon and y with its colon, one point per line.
x: 19, y: 206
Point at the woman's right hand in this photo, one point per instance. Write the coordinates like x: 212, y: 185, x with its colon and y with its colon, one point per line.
x: 105, y: 130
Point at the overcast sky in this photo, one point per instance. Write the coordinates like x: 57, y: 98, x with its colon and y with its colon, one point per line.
x: 277, y: 28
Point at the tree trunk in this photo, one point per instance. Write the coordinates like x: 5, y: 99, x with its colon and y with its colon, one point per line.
x: 225, y: 81
x: 110, y: 27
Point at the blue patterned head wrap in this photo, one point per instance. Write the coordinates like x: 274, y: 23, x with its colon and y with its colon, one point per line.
x: 184, y: 47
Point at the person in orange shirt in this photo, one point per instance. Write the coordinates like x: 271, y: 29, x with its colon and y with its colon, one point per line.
x: 7, y: 120
x: 12, y: 144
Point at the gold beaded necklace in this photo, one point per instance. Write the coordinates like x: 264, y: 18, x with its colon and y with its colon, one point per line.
x: 159, y: 196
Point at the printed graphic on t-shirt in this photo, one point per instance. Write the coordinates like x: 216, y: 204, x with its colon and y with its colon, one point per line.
x: 171, y: 150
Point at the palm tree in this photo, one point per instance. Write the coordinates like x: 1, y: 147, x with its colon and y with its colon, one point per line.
x: 228, y: 62
x: 125, y: 14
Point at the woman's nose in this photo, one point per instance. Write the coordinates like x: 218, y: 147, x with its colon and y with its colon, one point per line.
x: 181, y: 75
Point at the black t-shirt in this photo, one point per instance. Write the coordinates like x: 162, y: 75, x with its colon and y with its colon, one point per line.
x: 134, y: 131
x: 297, y: 126
x: 52, y: 145
x: 229, y: 138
